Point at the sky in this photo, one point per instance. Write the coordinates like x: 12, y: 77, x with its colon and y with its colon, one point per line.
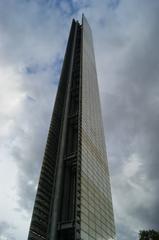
x: 33, y: 37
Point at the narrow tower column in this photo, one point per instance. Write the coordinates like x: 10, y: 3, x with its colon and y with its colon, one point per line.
x: 73, y: 200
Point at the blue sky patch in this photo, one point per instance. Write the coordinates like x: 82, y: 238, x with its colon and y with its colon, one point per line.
x: 36, y: 68
x: 113, y: 4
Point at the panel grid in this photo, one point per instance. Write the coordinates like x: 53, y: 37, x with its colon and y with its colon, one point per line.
x: 97, y: 221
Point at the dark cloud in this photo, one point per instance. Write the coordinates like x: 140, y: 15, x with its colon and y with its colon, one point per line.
x: 5, y: 229
x: 124, y: 232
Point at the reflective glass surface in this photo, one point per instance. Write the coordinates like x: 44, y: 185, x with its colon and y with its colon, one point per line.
x: 97, y: 221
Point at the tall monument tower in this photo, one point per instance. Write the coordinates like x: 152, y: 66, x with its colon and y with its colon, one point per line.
x: 73, y: 200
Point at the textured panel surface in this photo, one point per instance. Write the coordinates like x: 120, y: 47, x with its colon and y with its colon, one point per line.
x: 97, y: 221
x: 73, y: 200
x: 44, y: 202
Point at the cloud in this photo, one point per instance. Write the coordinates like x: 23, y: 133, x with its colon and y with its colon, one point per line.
x: 33, y: 40
x: 130, y: 100
x: 4, y: 226
x: 30, y: 64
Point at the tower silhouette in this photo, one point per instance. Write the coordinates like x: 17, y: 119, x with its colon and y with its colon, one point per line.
x: 73, y: 200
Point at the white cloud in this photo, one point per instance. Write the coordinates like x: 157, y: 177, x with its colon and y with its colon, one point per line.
x: 132, y: 166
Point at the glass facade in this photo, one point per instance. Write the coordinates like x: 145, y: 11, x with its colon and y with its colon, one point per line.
x: 73, y: 200
x: 97, y: 221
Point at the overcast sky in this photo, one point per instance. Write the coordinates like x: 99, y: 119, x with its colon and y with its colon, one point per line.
x: 33, y: 36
